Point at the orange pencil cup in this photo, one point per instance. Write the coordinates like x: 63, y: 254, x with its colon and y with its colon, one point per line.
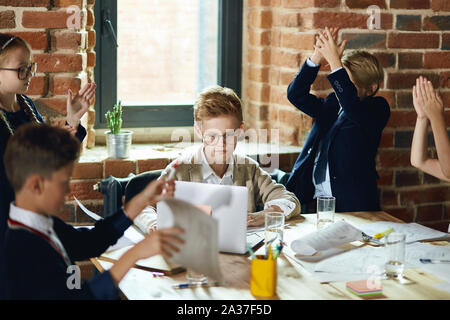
x: 263, y: 277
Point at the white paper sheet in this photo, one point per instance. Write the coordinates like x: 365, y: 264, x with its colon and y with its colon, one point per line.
x: 200, y: 251
x: 333, y: 236
x: 337, y: 264
x: 94, y: 216
x: 414, y: 231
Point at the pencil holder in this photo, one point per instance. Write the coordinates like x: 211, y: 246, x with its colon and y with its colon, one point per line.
x: 263, y: 277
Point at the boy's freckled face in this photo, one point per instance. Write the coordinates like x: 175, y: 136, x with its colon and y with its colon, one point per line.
x: 56, y: 188
x: 222, y: 128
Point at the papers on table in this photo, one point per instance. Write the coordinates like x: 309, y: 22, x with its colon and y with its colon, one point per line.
x: 414, y: 231
x: 330, y: 257
x: 333, y: 236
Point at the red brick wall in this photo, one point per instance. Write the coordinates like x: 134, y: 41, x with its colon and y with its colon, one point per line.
x: 62, y: 48
x: 413, y: 40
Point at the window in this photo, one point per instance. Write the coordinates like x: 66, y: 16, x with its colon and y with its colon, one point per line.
x: 167, y: 51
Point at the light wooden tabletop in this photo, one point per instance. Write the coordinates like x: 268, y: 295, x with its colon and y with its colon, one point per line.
x: 293, y: 282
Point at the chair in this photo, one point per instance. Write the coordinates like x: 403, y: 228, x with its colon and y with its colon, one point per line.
x: 280, y: 176
x: 114, y: 189
x: 139, y: 182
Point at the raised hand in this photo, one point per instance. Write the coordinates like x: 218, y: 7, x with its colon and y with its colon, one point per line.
x: 317, y: 57
x: 330, y: 50
x: 418, y: 100
x: 78, y: 105
x: 433, y: 105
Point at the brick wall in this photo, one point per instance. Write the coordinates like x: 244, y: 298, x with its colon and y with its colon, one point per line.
x: 62, y: 40
x: 413, y: 40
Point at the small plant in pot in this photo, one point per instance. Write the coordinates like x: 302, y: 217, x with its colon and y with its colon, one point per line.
x: 118, y: 142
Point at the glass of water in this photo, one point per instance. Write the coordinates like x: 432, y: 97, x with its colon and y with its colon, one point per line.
x: 195, y: 277
x: 274, y: 226
x: 395, y: 255
x: 325, y: 211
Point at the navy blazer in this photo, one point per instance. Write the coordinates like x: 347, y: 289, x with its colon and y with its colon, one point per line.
x: 35, y: 270
x: 353, y: 147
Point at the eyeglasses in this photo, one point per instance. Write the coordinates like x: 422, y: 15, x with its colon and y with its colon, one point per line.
x: 213, y: 139
x: 24, y: 72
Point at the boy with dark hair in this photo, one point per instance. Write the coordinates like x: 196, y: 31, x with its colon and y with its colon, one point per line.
x: 41, y: 248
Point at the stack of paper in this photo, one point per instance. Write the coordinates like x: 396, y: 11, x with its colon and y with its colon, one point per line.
x: 329, y: 257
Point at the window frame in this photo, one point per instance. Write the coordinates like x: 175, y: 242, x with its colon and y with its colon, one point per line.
x: 228, y: 73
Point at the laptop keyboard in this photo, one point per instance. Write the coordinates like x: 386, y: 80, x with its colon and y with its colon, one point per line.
x: 254, y: 239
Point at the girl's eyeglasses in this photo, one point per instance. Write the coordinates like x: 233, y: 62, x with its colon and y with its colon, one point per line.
x: 24, y: 72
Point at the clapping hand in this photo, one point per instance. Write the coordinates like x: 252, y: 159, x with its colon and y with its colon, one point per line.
x: 317, y: 57
x: 78, y: 105
x: 329, y: 48
x: 427, y: 102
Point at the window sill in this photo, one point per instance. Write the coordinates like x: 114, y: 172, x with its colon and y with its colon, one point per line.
x: 151, y: 135
x: 95, y: 164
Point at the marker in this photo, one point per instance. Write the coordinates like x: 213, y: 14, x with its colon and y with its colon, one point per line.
x: 277, y: 253
x: 199, y: 285
x: 252, y: 254
x: 173, y: 170
x: 382, y: 234
x: 157, y: 274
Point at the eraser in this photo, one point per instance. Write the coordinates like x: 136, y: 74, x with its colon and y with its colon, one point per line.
x: 364, y: 288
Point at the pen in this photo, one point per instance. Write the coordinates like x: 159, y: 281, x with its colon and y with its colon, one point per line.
x: 269, y: 254
x: 199, y: 285
x: 434, y: 261
x: 382, y: 234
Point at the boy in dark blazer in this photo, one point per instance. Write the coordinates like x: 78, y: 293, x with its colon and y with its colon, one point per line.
x: 41, y: 248
x: 338, y: 158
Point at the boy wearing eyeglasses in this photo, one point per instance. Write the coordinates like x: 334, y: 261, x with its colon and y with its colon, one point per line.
x: 16, y: 109
x: 219, y: 122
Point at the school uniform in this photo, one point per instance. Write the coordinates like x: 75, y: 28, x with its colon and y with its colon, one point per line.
x: 41, y: 250
x: 338, y: 158
x: 15, y: 119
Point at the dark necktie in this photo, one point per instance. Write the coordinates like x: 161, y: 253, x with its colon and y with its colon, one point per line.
x: 321, y: 167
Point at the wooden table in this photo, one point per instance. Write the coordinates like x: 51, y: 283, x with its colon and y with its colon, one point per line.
x: 294, y: 282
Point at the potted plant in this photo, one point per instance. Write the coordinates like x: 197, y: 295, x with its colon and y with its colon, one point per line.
x: 118, y: 142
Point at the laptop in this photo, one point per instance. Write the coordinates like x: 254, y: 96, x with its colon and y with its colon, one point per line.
x: 228, y: 205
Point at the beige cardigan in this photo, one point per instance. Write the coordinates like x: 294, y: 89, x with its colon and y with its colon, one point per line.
x: 246, y: 172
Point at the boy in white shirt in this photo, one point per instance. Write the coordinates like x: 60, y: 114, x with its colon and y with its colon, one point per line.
x: 219, y: 122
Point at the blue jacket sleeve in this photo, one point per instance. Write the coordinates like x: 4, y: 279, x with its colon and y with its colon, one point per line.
x: 298, y: 92
x: 362, y: 112
x: 84, y: 243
